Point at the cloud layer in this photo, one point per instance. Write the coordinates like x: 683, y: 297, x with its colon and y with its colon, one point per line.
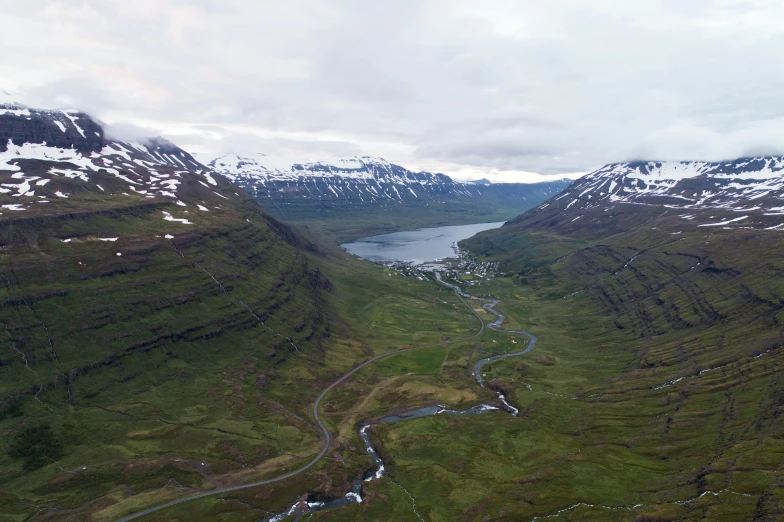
x: 470, y: 88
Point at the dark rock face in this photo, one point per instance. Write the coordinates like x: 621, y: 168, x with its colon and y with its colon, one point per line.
x: 743, y: 184
x: 79, y: 132
x: 66, y: 130
x: 365, y: 185
x: 49, y: 156
x: 379, y: 171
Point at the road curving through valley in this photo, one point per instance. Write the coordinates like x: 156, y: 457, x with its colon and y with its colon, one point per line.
x: 496, y: 325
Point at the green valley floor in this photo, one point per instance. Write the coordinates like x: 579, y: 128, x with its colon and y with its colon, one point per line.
x: 619, y: 420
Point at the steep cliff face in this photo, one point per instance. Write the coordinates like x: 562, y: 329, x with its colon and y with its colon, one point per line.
x: 741, y: 184
x: 746, y: 193
x: 134, y: 284
x: 667, y: 279
x: 58, y: 129
x: 355, y: 196
x: 367, y: 182
x: 46, y: 157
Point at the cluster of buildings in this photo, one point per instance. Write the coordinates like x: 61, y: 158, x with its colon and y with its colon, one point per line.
x: 462, y: 269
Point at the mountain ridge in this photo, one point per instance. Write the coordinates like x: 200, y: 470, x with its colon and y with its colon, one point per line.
x: 357, y: 197
x: 688, y: 184
x: 747, y: 192
x: 271, y: 168
x: 52, y: 153
x: 664, y: 279
x: 133, y: 280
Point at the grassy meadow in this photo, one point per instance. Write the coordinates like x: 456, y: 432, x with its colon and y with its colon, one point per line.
x: 654, y: 392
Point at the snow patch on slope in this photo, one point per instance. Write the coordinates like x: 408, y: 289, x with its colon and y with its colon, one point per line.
x: 695, y: 184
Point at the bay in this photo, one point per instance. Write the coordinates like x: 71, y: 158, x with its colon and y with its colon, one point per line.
x: 415, y: 246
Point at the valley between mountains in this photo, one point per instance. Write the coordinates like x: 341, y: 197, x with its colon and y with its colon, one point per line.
x: 174, y: 333
x: 344, y: 199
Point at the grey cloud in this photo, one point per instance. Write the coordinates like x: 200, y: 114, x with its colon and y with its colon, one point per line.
x: 204, y: 139
x: 129, y: 132
x: 549, y: 87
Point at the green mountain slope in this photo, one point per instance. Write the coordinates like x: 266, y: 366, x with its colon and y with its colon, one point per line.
x: 134, y: 348
x: 144, y: 307
x: 666, y: 335
x: 163, y: 335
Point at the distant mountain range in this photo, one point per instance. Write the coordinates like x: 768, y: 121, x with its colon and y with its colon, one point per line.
x: 376, y: 191
x: 363, y: 181
x: 741, y: 184
x: 747, y: 192
x: 161, y: 331
x: 55, y: 153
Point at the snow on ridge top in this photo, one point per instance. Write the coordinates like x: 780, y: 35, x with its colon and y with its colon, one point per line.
x: 269, y: 168
x: 146, y: 173
x: 235, y: 165
x: 353, y: 166
x: 352, y: 163
x: 9, y: 104
x: 355, y: 162
x: 743, y: 168
x: 732, y: 184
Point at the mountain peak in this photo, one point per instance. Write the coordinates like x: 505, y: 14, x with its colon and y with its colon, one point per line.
x: 271, y: 168
x: 49, y: 154
x: 738, y: 184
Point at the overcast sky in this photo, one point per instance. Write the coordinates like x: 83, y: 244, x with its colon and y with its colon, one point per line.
x: 490, y: 88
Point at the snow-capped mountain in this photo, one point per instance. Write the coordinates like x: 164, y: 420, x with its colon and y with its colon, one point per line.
x: 365, y: 177
x: 742, y: 184
x: 265, y: 167
x: 742, y: 193
x: 361, y: 184
x: 51, y: 153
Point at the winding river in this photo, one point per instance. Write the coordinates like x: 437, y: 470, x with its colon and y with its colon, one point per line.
x: 354, y: 496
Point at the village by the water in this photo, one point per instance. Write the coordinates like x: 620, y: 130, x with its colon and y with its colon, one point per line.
x: 462, y: 268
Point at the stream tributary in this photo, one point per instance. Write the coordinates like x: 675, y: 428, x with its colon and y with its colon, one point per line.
x: 354, y: 496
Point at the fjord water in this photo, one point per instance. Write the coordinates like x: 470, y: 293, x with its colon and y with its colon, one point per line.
x: 416, y: 246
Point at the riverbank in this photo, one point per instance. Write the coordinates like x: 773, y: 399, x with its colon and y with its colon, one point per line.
x: 355, y: 495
